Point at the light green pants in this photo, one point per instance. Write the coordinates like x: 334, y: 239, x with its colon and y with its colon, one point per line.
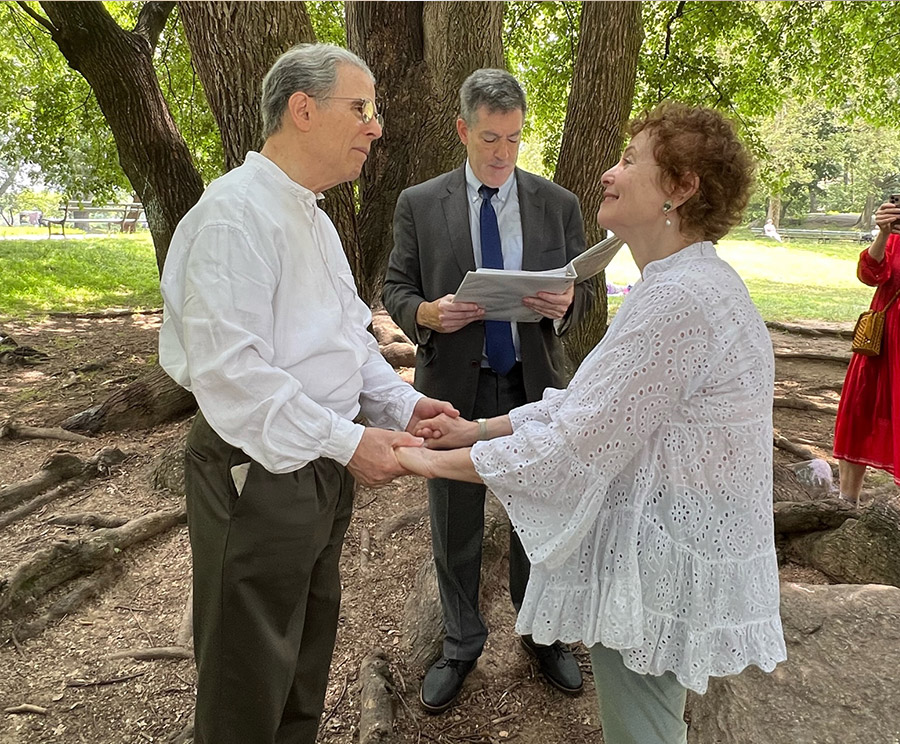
x: 637, y: 708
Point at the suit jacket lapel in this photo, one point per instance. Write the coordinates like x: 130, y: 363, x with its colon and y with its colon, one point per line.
x: 455, y: 205
x: 531, y: 211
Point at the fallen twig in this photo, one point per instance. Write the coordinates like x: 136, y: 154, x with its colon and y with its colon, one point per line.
x: 365, y: 549
x: 102, y: 682
x: 27, y: 708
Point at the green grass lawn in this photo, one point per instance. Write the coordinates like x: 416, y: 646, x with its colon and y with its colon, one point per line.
x: 79, y: 274
x: 796, y: 280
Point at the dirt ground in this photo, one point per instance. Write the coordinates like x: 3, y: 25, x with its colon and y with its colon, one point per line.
x: 91, y: 698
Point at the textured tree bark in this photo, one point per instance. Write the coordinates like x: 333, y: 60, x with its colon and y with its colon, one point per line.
x: 420, y: 54
x: 865, y: 550
x: 57, y: 468
x: 376, y: 709
x: 118, y: 65
x: 64, y: 560
x: 233, y: 45
x: 599, y: 104
x: 147, y: 402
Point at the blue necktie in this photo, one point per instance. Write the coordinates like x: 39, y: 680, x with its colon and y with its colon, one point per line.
x: 498, y: 339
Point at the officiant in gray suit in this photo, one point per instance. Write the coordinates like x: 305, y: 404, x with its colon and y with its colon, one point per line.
x: 486, y: 213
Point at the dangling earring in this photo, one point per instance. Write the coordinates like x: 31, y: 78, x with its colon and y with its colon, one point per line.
x: 667, y: 205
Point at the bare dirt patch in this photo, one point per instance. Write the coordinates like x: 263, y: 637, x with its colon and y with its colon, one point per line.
x: 89, y: 697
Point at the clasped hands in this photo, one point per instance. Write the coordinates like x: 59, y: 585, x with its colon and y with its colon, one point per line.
x: 382, y: 455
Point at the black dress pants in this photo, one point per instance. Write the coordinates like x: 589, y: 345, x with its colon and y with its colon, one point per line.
x: 457, y: 531
x: 266, y: 590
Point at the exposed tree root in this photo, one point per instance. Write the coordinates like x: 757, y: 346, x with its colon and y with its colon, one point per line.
x: 58, y: 467
x: 88, y: 519
x: 52, y: 566
x: 808, y: 330
x: 12, y: 430
x: 390, y: 526
x: 783, y: 443
x: 154, y: 654
x: 101, y: 463
x: 801, y: 404
x: 84, y: 590
x: 813, y: 356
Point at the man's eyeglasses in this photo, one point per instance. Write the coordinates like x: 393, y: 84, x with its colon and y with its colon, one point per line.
x: 364, y: 107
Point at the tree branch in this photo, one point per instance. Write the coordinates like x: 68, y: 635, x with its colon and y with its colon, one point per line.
x: 35, y: 16
x: 152, y: 20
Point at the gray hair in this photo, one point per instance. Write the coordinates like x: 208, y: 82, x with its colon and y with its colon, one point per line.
x: 497, y: 90
x: 311, y: 68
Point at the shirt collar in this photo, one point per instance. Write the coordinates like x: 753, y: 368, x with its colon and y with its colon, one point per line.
x: 280, y: 178
x: 694, y: 250
x: 473, y: 184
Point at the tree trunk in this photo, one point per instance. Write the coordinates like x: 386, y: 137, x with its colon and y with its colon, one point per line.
x: 118, y: 65
x: 599, y: 103
x: 260, y: 32
x: 773, y: 211
x: 865, y: 219
x: 420, y: 54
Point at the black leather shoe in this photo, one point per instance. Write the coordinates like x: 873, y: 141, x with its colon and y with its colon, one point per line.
x: 443, y: 682
x: 557, y: 664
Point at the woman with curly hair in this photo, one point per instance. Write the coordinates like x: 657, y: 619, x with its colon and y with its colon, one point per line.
x: 643, y: 492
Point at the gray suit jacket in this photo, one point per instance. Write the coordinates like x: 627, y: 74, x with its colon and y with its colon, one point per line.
x: 432, y: 253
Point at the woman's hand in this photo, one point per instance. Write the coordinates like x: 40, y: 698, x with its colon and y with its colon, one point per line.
x: 416, y: 460
x: 886, y: 217
x: 446, y: 432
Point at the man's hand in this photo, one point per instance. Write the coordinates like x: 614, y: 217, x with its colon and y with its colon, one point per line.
x: 550, y: 304
x: 428, y: 408
x: 444, y: 432
x: 446, y: 316
x: 374, y: 462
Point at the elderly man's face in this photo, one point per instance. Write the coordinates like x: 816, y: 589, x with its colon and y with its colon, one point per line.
x: 343, y: 140
x: 492, y: 144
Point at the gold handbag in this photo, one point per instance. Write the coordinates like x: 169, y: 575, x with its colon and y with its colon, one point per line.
x: 869, y: 331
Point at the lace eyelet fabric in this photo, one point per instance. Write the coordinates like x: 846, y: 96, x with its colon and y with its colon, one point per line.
x: 643, y: 491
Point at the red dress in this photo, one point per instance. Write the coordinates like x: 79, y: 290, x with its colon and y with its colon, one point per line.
x: 867, y: 430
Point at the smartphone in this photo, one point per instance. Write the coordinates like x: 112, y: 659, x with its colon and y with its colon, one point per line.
x: 895, y: 200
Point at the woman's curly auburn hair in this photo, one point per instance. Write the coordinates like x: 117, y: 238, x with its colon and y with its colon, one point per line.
x: 696, y: 140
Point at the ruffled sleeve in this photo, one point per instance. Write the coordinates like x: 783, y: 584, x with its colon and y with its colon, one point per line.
x: 553, y: 472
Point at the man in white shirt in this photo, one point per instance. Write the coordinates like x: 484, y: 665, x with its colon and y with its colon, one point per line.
x: 487, y: 213
x: 263, y: 324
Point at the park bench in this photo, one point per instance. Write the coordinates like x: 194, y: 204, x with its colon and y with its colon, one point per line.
x: 820, y: 235
x: 86, y: 215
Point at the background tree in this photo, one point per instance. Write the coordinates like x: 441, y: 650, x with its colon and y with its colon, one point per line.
x: 599, y: 103
x: 420, y: 54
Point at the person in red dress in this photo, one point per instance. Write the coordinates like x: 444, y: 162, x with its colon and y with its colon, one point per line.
x: 867, y: 430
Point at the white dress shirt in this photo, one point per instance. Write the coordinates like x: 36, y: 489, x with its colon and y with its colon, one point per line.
x: 643, y: 492
x: 509, y: 223
x: 263, y: 324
